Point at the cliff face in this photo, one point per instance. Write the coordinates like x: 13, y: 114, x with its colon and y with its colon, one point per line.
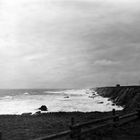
x: 126, y: 96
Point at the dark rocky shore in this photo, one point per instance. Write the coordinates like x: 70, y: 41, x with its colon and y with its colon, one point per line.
x: 126, y: 96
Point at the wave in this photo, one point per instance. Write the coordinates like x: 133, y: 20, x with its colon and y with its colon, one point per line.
x: 7, y: 97
x: 26, y: 93
x: 64, y: 100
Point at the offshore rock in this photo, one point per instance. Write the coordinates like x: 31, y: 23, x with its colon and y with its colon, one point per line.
x: 43, y: 108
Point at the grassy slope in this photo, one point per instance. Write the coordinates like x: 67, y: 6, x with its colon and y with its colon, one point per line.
x: 28, y: 127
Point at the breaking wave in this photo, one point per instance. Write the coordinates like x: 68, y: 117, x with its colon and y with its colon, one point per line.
x: 84, y: 100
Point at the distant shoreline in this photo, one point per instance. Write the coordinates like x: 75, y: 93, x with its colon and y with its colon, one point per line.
x: 125, y: 96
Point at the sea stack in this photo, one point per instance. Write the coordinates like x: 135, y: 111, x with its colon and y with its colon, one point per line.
x: 43, y: 108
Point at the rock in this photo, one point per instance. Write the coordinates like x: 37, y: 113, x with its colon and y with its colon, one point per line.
x: 118, y: 85
x: 43, y: 108
x: 100, y: 102
x: 66, y: 97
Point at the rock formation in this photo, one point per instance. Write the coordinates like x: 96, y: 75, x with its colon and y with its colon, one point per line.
x: 43, y: 108
x: 126, y: 96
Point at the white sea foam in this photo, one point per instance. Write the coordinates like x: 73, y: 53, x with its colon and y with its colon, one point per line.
x: 7, y: 97
x: 21, y: 103
x: 26, y: 93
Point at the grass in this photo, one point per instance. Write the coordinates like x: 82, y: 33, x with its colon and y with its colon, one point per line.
x: 18, y: 127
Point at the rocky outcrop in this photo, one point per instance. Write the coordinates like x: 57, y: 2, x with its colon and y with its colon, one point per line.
x: 126, y: 96
x: 43, y: 108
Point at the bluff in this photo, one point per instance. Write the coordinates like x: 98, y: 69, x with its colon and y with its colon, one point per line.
x: 125, y: 96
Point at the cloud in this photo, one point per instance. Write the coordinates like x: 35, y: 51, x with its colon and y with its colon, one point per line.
x: 59, y: 43
x: 105, y: 62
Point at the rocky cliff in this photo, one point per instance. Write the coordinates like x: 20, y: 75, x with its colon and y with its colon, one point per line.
x: 126, y: 96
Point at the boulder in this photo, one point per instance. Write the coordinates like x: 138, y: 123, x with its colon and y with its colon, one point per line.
x: 113, y: 104
x: 100, y: 102
x: 43, y: 108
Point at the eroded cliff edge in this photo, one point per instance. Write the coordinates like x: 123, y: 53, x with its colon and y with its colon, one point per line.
x: 125, y: 96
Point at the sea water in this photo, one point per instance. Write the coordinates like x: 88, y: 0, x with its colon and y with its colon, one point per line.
x: 29, y: 100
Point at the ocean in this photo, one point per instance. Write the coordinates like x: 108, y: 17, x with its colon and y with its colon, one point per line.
x: 18, y: 101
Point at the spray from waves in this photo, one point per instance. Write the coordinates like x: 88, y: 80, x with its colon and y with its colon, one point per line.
x: 26, y: 93
x: 84, y: 100
x: 7, y: 97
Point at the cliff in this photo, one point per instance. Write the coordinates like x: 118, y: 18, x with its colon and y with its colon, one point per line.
x: 126, y: 96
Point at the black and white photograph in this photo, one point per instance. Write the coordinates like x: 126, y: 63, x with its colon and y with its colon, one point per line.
x: 69, y: 69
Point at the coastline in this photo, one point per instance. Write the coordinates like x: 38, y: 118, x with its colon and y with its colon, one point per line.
x: 30, y: 127
x: 126, y: 96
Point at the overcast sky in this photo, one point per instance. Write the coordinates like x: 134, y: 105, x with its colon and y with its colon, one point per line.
x: 69, y: 43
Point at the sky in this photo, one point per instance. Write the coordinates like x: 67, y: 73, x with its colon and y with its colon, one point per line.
x: 69, y: 43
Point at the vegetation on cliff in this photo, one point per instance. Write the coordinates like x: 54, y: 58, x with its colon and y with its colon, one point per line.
x: 126, y: 96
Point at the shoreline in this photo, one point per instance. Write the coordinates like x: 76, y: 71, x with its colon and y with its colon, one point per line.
x: 79, y: 100
x: 59, y: 112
